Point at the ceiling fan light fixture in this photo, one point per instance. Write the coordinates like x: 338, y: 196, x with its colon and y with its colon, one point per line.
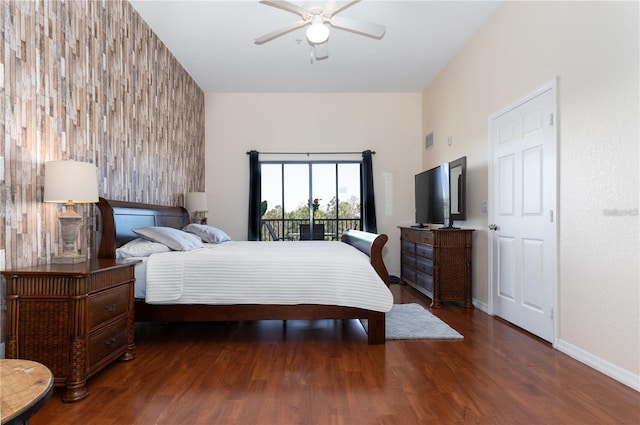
x: 317, y: 32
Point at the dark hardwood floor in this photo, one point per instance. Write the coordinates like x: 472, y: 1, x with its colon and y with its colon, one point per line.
x: 323, y: 372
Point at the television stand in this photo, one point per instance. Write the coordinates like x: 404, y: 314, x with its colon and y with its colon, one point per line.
x: 437, y: 263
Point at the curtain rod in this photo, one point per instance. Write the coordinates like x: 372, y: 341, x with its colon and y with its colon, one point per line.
x: 311, y: 153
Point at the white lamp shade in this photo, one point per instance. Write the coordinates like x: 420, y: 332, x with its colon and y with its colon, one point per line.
x: 317, y: 32
x: 196, y: 201
x: 73, y: 181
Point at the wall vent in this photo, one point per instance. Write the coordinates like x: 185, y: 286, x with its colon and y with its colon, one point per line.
x: 428, y: 141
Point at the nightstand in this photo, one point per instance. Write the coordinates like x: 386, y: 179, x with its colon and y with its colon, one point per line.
x: 73, y: 318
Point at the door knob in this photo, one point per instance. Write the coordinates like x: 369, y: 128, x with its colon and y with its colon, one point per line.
x: 493, y: 227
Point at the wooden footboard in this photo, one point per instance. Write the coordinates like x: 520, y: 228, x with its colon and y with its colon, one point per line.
x: 119, y: 217
x: 371, y: 244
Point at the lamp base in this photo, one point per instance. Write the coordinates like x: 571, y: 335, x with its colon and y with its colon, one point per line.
x: 198, y: 217
x: 68, y: 259
x: 70, y: 228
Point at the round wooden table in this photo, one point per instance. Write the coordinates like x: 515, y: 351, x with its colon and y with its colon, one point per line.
x: 25, y: 386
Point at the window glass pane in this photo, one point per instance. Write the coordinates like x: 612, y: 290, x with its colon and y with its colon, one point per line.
x: 296, y: 191
x: 288, y: 188
x: 272, y: 189
x: 349, y: 204
x: 323, y: 188
x: 271, y: 176
x: 323, y: 197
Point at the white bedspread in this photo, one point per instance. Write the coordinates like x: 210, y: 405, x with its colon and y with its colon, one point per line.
x: 141, y: 275
x: 241, y: 272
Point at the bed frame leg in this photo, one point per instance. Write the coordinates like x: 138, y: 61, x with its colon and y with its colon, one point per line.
x: 377, y: 334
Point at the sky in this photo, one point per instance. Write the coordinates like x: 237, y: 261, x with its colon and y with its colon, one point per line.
x: 297, y: 183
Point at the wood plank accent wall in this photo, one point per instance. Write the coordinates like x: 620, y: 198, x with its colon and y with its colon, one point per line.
x: 89, y: 81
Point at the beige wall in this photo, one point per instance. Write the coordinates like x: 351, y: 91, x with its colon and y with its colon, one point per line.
x: 592, y: 48
x: 386, y: 123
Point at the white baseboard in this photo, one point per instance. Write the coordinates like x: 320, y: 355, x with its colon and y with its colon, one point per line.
x: 609, y: 369
x: 615, y: 372
x: 481, y: 306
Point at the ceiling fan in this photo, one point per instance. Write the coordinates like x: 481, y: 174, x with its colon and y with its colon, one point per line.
x: 317, y: 18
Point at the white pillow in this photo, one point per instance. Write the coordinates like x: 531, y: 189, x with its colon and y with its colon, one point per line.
x: 140, y: 248
x: 175, y: 239
x: 209, y: 234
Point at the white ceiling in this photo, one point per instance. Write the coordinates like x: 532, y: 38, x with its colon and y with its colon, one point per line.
x: 213, y: 40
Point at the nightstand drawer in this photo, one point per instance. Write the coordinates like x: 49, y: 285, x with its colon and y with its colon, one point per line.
x: 108, y: 304
x: 107, y: 341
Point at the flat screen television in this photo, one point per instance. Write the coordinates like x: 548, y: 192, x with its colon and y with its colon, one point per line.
x: 432, y: 196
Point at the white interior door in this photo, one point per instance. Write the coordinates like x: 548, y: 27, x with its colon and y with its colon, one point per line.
x: 522, y: 226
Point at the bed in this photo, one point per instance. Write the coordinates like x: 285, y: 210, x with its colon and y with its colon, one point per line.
x: 120, y: 217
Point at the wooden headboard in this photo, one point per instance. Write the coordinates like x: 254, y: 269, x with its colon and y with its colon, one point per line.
x: 119, y: 217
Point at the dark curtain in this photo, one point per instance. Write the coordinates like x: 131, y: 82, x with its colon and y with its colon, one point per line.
x: 255, y: 183
x: 368, y: 199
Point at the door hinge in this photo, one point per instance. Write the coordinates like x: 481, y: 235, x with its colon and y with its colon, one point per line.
x: 551, y: 216
x: 551, y: 119
x: 551, y: 313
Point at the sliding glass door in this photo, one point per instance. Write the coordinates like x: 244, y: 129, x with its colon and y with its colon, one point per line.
x: 310, y: 200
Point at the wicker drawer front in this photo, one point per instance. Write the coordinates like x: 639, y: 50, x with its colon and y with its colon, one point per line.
x: 107, y: 341
x: 408, y: 261
x: 422, y: 236
x: 417, y: 235
x: 425, y: 237
x: 107, y: 305
x: 409, y: 275
x: 408, y: 247
x: 425, y: 251
x: 424, y: 266
x: 425, y: 281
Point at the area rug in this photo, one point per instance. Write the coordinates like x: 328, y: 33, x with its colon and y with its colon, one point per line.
x: 412, y: 321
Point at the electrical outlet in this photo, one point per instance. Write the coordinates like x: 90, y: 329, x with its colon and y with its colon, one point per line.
x: 2, y: 261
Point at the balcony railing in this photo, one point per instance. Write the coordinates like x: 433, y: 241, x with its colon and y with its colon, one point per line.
x: 289, y: 229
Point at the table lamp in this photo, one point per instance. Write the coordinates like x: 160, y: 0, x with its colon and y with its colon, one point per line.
x: 196, y: 203
x: 70, y: 182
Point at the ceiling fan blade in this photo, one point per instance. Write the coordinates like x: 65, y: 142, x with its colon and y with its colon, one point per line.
x: 366, y: 28
x: 277, y: 33
x: 331, y: 4
x: 285, y: 5
x: 321, y: 51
